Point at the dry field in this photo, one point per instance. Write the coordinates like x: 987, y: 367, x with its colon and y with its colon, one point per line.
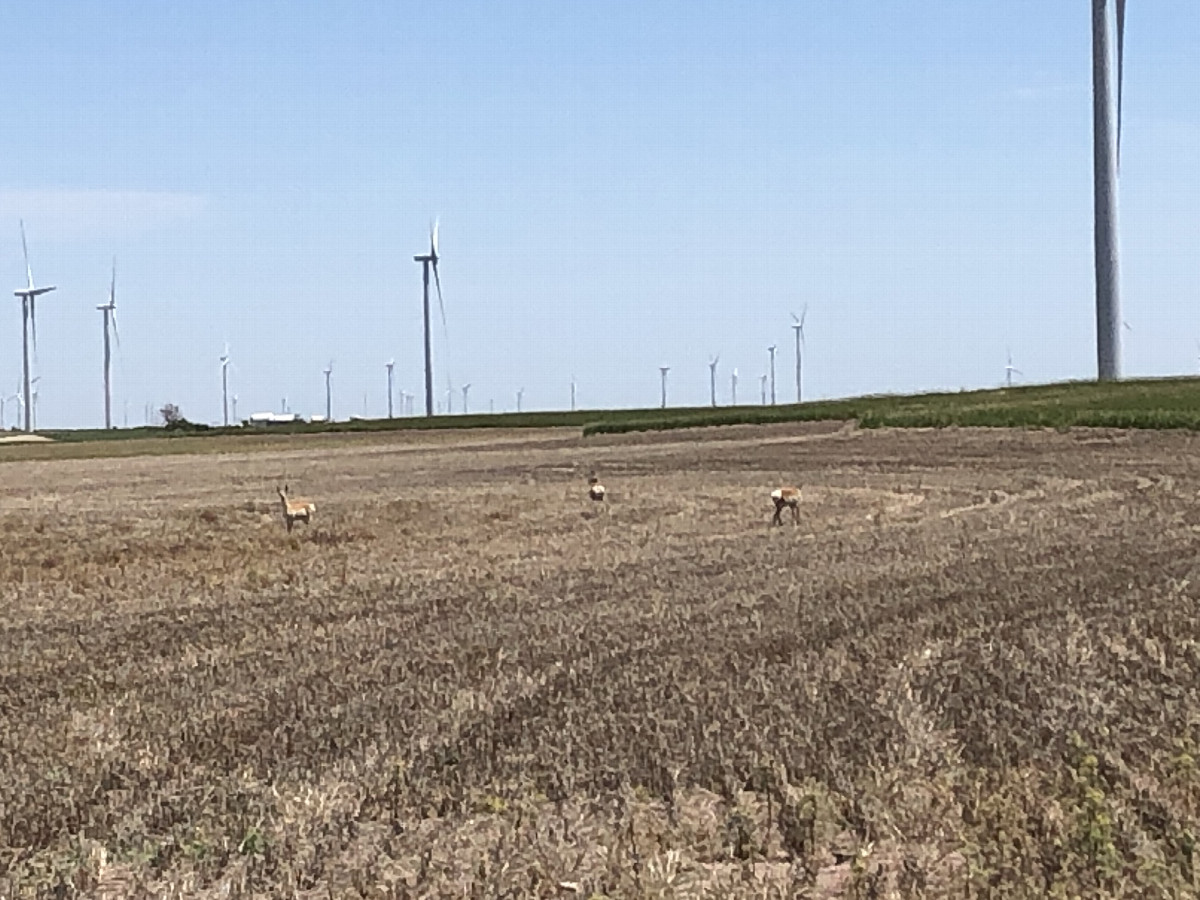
x: 972, y: 670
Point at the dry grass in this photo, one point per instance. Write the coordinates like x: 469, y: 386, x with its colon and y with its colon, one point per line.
x: 972, y: 670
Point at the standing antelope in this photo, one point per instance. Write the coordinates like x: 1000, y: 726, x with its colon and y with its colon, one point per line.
x: 595, y: 489
x: 295, y: 510
x: 786, y: 496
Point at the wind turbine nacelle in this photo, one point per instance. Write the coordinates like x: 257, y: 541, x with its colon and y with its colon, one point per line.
x: 33, y: 292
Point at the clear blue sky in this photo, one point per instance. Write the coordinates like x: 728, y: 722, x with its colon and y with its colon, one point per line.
x: 620, y: 186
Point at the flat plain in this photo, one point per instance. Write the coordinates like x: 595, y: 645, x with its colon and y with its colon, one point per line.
x: 972, y: 670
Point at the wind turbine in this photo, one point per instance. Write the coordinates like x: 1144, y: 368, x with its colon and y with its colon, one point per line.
x: 28, y: 295
x: 1106, y: 155
x: 520, y: 394
x: 762, y: 380
x: 572, y: 393
x: 328, y: 393
x: 430, y: 260
x: 225, y: 386
x: 772, y: 350
x: 733, y: 388
x: 664, y: 370
x: 34, y: 384
x: 466, y: 387
x: 389, y: 365
x: 798, y: 328
x: 1010, y: 371
x: 110, y: 317
x: 233, y: 400
x: 712, y: 378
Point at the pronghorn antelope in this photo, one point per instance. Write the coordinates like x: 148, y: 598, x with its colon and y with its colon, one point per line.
x: 295, y: 510
x: 786, y: 496
x: 595, y: 489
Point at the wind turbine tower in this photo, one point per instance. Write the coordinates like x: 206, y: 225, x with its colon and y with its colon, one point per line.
x: 1009, y: 371
x: 466, y: 387
x: 1106, y: 155
x: 233, y: 400
x: 664, y: 370
x: 798, y: 328
x: 762, y: 380
x: 389, y: 365
x: 430, y: 261
x: 572, y: 393
x: 110, y: 319
x: 733, y: 388
x: 28, y: 295
x: 712, y: 378
x: 520, y: 394
x: 225, y: 386
x: 328, y: 393
x: 772, y: 350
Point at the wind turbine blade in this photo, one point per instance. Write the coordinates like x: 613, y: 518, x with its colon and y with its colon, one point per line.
x: 441, y: 306
x: 112, y: 288
x: 116, y: 334
x: 803, y: 316
x: 1120, y: 71
x: 433, y: 240
x: 25, y: 250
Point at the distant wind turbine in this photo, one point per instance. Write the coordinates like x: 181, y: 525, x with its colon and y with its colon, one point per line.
x: 328, y: 393
x: 28, y: 295
x: 430, y: 260
x: 664, y: 370
x: 1106, y: 153
x: 733, y: 388
x: 798, y: 328
x: 763, y: 382
x: 572, y: 393
x: 712, y: 378
x: 772, y: 350
x: 389, y: 365
x: 110, y: 320
x: 520, y: 395
x: 225, y: 386
x: 465, y: 388
x: 1010, y: 371
x: 233, y: 401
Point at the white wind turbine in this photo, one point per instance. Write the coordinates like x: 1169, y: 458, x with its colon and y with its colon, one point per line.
x: 772, y: 350
x: 110, y: 319
x: 430, y: 261
x: 1010, y: 371
x: 712, y: 378
x: 328, y: 393
x: 465, y: 388
x: 733, y: 388
x: 28, y: 295
x: 798, y: 328
x: 389, y: 365
x: 663, y: 370
x: 225, y: 386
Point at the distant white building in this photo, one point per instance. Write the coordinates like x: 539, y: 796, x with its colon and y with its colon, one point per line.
x: 272, y: 418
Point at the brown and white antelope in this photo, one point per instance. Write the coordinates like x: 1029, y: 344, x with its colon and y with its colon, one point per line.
x: 595, y: 489
x: 298, y: 510
x: 786, y: 496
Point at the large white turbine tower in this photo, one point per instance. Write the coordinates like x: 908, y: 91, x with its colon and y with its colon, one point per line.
x: 430, y: 260
x: 225, y: 387
x: 109, y: 310
x: 389, y: 365
x: 798, y: 328
x: 328, y: 393
x: 664, y: 370
x: 712, y: 378
x: 28, y: 295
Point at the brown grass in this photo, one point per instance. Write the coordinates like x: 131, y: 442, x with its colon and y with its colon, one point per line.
x: 971, y: 671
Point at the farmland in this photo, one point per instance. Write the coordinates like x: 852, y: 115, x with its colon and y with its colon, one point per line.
x: 972, y: 670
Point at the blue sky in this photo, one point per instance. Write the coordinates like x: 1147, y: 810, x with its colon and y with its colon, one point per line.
x: 620, y: 186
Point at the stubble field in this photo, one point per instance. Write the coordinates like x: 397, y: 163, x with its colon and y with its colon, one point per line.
x: 972, y: 669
